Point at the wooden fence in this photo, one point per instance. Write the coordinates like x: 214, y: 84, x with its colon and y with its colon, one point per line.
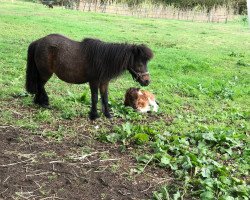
x: 149, y: 11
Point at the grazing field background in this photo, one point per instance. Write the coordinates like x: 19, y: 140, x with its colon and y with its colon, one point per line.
x: 196, y: 147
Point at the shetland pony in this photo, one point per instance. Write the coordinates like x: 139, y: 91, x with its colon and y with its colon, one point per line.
x: 89, y: 61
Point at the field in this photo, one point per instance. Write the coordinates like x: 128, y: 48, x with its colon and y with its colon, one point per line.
x: 196, y: 147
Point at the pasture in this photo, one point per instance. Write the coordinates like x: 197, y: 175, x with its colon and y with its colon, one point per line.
x: 196, y: 147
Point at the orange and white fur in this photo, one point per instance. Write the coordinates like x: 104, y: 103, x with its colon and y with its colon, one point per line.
x: 141, y: 100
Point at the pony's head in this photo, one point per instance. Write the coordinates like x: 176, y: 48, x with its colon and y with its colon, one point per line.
x: 138, y: 69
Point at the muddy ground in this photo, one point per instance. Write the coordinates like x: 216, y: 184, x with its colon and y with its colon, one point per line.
x: 32, y: 167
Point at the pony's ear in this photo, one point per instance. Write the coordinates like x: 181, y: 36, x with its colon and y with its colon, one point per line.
x: 142, y: 51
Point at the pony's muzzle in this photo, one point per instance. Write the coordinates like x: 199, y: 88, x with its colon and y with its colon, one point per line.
x: 146, y: 83
x: 144, y: 80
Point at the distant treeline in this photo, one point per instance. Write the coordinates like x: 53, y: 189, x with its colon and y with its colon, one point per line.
x: 239, y: 6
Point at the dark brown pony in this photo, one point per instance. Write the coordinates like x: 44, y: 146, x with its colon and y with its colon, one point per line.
x: 91, y: 61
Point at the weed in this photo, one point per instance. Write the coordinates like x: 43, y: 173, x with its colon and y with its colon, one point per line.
x: 49, y: 154
x: 53, y: 176
x: 242, y: 63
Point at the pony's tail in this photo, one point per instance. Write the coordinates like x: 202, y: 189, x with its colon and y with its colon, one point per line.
x: 31, y: 70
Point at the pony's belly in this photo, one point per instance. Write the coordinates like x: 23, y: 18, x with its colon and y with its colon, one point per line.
x: 71, y: 77
x: 72, y: 81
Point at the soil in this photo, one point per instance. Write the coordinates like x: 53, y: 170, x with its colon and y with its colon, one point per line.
x: 33, y: 167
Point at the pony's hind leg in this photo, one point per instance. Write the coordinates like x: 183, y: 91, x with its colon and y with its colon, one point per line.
x: 41, y: 98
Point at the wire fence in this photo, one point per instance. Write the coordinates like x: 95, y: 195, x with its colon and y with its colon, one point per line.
x: 220, y: 14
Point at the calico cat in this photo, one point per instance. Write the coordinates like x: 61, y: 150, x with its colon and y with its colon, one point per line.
x: 140, y: 100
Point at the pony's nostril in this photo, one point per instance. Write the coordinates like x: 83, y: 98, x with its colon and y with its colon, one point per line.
x: 147, y: 82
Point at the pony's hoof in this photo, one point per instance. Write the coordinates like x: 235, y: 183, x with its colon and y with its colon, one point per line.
x: 46, y: 106
x: 93, y: 116
x: 43, y: 105
x: 108, y: 115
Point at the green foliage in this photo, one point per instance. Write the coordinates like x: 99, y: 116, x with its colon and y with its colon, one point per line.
x: 164, y: 194
x: 121, y: 111
x: 128, y: 133
x: 204, y: 160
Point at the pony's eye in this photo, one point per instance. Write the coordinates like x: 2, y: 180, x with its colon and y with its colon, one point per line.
x: 141, y: 65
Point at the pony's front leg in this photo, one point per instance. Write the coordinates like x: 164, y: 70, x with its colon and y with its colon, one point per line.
x: 94, y: 99
x: 104, y: 97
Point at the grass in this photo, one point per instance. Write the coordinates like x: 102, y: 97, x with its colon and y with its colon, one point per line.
x: 200, y: 75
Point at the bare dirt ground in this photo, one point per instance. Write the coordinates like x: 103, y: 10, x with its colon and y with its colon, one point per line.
x: 32, y: 167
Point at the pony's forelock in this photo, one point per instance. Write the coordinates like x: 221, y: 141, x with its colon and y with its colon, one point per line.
x: 143, y: 52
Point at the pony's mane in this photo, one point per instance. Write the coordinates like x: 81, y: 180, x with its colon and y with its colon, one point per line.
x: 109, y: 60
